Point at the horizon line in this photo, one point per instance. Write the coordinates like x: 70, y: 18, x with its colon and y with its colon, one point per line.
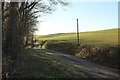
x: 76, y: 32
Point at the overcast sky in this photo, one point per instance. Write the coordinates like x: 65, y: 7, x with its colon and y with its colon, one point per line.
x: 92, y: 16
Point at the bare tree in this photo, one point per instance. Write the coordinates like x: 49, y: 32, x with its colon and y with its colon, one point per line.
x: 20, y: 19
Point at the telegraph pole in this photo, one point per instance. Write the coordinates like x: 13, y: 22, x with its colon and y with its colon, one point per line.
x: 78, y: 32
x: 35, y: 36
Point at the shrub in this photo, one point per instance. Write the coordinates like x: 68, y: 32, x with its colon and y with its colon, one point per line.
x: 105, y: 55
x: 67, y: 48
x: 82, y: 51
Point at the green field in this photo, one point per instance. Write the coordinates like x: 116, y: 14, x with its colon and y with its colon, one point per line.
x: 102, y: 37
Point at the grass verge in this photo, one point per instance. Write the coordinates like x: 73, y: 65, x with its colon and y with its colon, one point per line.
x: 37, y: 64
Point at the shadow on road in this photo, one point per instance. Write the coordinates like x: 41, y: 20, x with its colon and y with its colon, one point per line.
x: 92, y: 69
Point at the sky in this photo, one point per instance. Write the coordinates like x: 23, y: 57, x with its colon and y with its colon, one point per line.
x: 91, y: 16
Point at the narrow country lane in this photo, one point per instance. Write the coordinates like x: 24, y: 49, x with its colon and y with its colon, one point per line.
x: 91, y: 69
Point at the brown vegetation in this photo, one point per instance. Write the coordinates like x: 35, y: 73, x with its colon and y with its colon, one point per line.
x: 104, y: 55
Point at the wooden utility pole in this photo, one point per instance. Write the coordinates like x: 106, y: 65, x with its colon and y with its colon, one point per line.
x: 35, y: 37
x: 77, y: 32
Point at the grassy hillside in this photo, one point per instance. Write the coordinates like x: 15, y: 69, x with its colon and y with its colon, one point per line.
x: 102, y: 37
